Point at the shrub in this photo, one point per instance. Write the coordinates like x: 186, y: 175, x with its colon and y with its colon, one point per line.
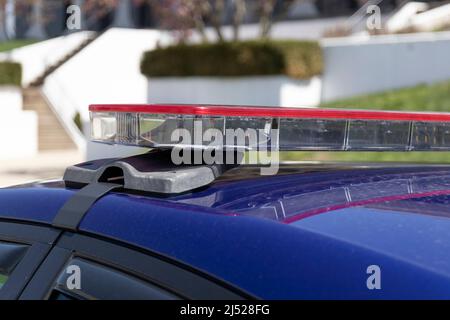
x: 77, y: 121
x: 297, y: 59
x: 10, y: 73
x: 14, y: 44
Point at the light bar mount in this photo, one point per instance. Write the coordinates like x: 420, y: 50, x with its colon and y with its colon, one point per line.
x: 150, y: 172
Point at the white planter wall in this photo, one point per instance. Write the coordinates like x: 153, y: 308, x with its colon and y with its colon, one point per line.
x: 18, y: 135
x: 263, y: 91
x: 18, y: 128
x: 10, y: 99
x: 367, y: 65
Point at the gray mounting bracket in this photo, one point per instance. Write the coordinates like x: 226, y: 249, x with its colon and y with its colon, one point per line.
x: 150, y: 172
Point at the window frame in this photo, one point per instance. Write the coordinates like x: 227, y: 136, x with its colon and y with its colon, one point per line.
x: 40, y: 240
x: 165, y: 273
x: 112, y: 275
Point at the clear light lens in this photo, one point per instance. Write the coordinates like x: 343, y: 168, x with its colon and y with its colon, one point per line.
x: 312, y: 134
x: 431, y: 136
x: 374, y: 135
x: 127, y: 128
x: 251, y: 133
x: 103, y: 127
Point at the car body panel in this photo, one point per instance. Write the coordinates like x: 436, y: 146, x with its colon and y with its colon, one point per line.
x: 301, y: 235
x: 33, y: 203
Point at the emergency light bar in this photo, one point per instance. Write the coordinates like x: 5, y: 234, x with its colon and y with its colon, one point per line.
x: 284, y: 129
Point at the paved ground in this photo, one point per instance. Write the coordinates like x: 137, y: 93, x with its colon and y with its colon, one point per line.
x: 46, y: 165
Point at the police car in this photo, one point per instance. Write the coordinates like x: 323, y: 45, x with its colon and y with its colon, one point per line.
x: 154, y: 226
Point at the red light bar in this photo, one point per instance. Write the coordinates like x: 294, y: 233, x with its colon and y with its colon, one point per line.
x: 273, y: 112
x: 285, y: 129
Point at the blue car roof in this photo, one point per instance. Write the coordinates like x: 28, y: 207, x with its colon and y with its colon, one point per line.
x: 305, y: 233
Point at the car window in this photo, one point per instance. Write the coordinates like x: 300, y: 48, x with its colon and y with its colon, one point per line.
x: 10, y: 255
x: 108, y: 270
x: 3, y: 279
x: 23, y: 247
x: 96, y: 281
x: 58, y: 295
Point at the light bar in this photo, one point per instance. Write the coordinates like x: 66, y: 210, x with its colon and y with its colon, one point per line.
x: 285, y: 129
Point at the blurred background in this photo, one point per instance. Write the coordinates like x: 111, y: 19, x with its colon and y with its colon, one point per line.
x: 57, y: 57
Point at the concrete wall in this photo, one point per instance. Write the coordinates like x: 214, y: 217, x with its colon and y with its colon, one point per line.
x: 11, y: 99
x: 263, y: 91
x: 37, y: 57
x: 367, y: 65
x: 18, y: 135
x: 106, y: 71
x: 18, y: 129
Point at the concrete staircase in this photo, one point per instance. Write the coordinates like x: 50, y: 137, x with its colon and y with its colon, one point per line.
x: 52, y: 135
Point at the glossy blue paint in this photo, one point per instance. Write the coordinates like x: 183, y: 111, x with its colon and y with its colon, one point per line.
x: 270, y: 259
x: 34, y: 204
x: 308, y: 235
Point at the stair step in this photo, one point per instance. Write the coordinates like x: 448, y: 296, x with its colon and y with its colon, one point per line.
x: 53, y: 139
x: 57, y: 145
x: 48, y: 148
x: 44, y: 119
x: 39, y: 109
x: 54, y: 145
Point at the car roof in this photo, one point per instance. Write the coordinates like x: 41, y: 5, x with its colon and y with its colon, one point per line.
x: 286, y: 236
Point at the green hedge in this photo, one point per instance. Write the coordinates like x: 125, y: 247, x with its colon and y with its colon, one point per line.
x: 297, y: 59
x: 10, y: 73
x: 426, y: 97
x: 14, y: 44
